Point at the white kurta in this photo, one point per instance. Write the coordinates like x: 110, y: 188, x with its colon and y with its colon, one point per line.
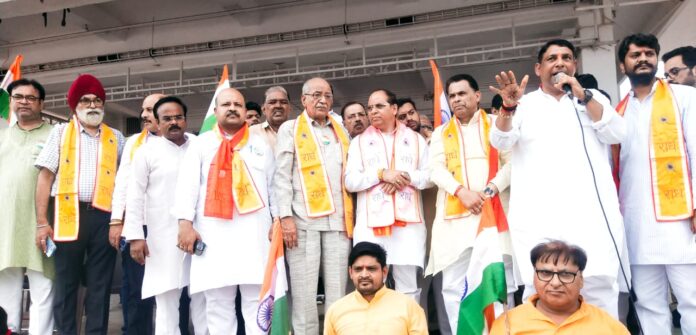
x: 237, y: 249
x: 406, y: 245
x: 552, y: 191
x: 153, y: 176
x: 118, y: 200
x: 450, y: 238
x: 649, y: 241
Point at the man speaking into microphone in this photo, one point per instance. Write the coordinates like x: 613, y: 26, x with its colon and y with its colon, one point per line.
x: 561, y: 181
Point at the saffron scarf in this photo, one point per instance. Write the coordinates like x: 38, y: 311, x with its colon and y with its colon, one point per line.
x: 142, y: 137
x: 387, y: 210
x: 67, y: 206
x: 229, y: 181
x: 314, y: 180
x: 455, y: 161
x: 670, y: 176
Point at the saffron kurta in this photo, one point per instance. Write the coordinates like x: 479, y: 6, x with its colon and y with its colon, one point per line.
x: 406, y: 245
x: 552, y: 191
x: 389, y: 312
x: 237, y: 249
x: 151, y: 195
x: 18, y: 151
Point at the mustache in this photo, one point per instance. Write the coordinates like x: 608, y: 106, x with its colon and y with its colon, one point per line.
x: 94, y: 110
x: 232, y: 112
x: 644, y: 63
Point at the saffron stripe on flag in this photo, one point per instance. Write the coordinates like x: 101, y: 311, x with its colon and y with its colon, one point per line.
x: 209, y: 120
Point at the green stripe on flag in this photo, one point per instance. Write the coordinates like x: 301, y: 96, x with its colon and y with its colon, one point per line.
x: 280, y: 321
x: 208, y: 123
x: 4, y: 104
x: 492, y: 288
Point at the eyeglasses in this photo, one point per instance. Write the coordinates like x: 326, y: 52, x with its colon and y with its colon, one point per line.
x: 673, y: 72
x: 564, y: 276
x: 168, y: 119
x: 86, y: 102
x: 28, y: 98
x: 318, y: 95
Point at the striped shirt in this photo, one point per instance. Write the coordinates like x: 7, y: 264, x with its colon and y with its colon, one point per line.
x: 89, y: 147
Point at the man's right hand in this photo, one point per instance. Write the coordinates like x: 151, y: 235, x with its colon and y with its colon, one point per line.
x: 139, y: 250
x: 42, y: 234
x: 187, y: 236
x: 471, y: 200
x: 509, y: 90
x: 289, y: 229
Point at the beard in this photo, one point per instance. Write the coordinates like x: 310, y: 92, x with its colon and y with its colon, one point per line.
x: 91, y: 117
x: 641, y: 79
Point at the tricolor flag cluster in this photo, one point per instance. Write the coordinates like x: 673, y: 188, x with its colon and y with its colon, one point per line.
x: 485, y: 276
x: 13, y: 73
x: 209, y: 120
x: 273, y: 310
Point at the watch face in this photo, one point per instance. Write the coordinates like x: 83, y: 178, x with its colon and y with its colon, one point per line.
x: 488, y: 192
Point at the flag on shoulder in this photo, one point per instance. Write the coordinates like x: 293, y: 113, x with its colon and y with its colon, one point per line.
x: 13, y: 73
x: 209, y: 120
x: 485, y: 282
x: 273, y: 310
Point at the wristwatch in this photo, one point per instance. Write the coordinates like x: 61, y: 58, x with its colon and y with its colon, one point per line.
x: 588, y: 97
x: 488, y: 191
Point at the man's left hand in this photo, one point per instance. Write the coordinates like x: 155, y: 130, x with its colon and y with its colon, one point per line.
x: 575, y: 87
x: 115, y: 235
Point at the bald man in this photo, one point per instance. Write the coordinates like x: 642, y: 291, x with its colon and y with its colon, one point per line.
x: 317, y: 212
x: 231, y: 216
x: 137, y: 313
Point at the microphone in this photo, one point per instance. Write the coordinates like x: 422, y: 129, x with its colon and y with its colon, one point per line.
x: 566, y: 87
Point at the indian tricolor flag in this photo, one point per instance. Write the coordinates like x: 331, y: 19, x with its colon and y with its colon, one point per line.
x: 13, y: 73
x: 273, y: 310
x: 485, y: 277
x: 441, y: 110
x: 209, y: 120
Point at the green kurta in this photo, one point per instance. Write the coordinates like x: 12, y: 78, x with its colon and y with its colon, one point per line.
x: 18, y: 151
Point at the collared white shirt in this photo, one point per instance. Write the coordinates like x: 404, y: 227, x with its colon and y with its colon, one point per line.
x: 151, y: 195
x: 118, y: 200
x: 552, y: 189
x: 649, y: 241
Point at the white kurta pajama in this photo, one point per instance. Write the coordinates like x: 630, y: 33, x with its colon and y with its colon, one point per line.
x: 661, y: 253
x: 150, y: 198
x: 451, y: 238
x: 552, y: 191
x: 406, y: 245
x: 237, y: 249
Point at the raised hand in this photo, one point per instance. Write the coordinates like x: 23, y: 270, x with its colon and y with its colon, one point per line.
x: 508, y: 88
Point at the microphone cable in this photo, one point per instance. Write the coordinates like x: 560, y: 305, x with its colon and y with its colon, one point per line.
x: 631, y: 293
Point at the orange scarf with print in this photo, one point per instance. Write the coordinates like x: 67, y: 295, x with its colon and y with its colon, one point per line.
x: 455, y: 161
x: 670, y: 176
x: 314, y: 180
x: 229, y: 181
